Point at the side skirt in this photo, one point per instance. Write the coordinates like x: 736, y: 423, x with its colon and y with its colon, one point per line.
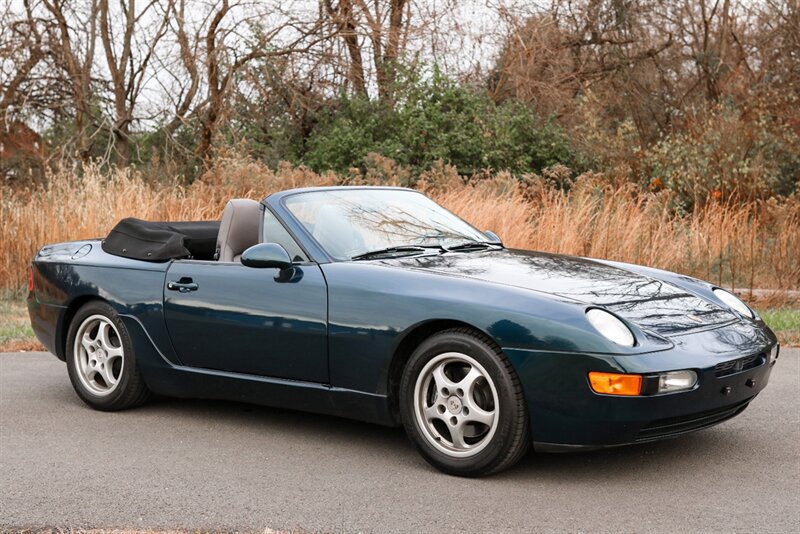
x: 165, y: 378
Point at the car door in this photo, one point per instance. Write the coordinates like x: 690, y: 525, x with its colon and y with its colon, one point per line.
x: 241, y: 319
x: 230, y: 317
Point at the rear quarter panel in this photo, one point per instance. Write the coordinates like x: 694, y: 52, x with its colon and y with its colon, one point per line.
x: 67, y: 275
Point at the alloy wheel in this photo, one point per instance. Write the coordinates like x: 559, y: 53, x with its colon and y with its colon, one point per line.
x: 456, y: 404
x: 99, y: 356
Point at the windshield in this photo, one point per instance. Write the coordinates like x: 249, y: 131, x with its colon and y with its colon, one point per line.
x: 353, y: 222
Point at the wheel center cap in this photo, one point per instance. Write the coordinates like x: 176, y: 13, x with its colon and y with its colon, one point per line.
x: 454, y: 405
x: 101, y: 354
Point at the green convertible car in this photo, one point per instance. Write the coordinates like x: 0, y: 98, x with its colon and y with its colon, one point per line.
x: 377, y: 304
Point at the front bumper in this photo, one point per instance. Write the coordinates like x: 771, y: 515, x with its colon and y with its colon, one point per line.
x: 567, y: 415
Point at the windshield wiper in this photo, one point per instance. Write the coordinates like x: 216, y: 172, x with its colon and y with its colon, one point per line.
x: 394, y: 250
x: 411, y: 249
x: 471, y: 245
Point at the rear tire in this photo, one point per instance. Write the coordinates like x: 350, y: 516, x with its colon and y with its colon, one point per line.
x: 100, y: 360
x: 462, y: 405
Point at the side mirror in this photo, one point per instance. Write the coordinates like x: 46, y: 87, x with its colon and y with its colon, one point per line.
x: 265, y: 255
x: 493, y: 237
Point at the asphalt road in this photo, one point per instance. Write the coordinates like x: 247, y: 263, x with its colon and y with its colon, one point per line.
x: 216, y: 465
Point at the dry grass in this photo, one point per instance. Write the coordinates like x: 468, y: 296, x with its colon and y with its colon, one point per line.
x: 755, y: 245
x: 16, y: 334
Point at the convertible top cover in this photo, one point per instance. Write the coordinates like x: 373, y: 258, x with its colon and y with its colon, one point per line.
x: 160, y: 241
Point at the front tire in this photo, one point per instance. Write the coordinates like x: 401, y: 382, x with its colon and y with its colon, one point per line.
x: 462, y: 405
x: 100, y: 360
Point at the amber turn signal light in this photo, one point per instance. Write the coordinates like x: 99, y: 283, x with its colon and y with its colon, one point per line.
x: 615, y: 384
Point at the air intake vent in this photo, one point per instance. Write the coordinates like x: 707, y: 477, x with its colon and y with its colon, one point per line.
x: 675, y: 426
x: 737, y: 366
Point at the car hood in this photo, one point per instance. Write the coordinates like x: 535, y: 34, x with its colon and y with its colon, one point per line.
x: 652, y: 304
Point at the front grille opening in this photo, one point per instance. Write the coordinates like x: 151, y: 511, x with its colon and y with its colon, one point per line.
x: 739, y: 365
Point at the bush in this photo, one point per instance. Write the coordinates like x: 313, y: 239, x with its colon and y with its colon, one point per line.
x: 347, y: 135
x: 726, y: 153
x: 433, y: 121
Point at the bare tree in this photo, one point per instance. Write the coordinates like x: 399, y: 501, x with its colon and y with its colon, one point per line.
x: 214, y: 52
x: 129, y: 39
x: 21, y: 50
x: 554, y: 55
x: 195, y: 71
x: 188, y: 82
x: 376, y: 28
x: 343, y: 17
x: 72, y: 37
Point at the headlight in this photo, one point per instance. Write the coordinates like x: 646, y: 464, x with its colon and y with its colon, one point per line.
x: 611, y: 327
x: 734, y: 302
x: 676, y: 381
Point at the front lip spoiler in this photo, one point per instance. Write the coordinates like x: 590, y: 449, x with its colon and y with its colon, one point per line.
x: 542, y: 446
x: 680, y: 430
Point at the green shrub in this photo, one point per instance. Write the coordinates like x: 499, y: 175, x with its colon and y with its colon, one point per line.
x: 437, y: 120
x: 346, y: 135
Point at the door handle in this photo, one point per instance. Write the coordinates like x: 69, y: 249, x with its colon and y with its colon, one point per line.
x: 184, y: 285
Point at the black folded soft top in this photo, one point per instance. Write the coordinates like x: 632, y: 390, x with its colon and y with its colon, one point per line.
x: 160, y: 241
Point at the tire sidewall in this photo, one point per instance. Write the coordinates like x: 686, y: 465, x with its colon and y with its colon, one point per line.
x: 496, y: 450
x: 110, y: 401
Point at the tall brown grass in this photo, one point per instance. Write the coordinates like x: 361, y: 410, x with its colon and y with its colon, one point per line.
x: 750, y: 245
